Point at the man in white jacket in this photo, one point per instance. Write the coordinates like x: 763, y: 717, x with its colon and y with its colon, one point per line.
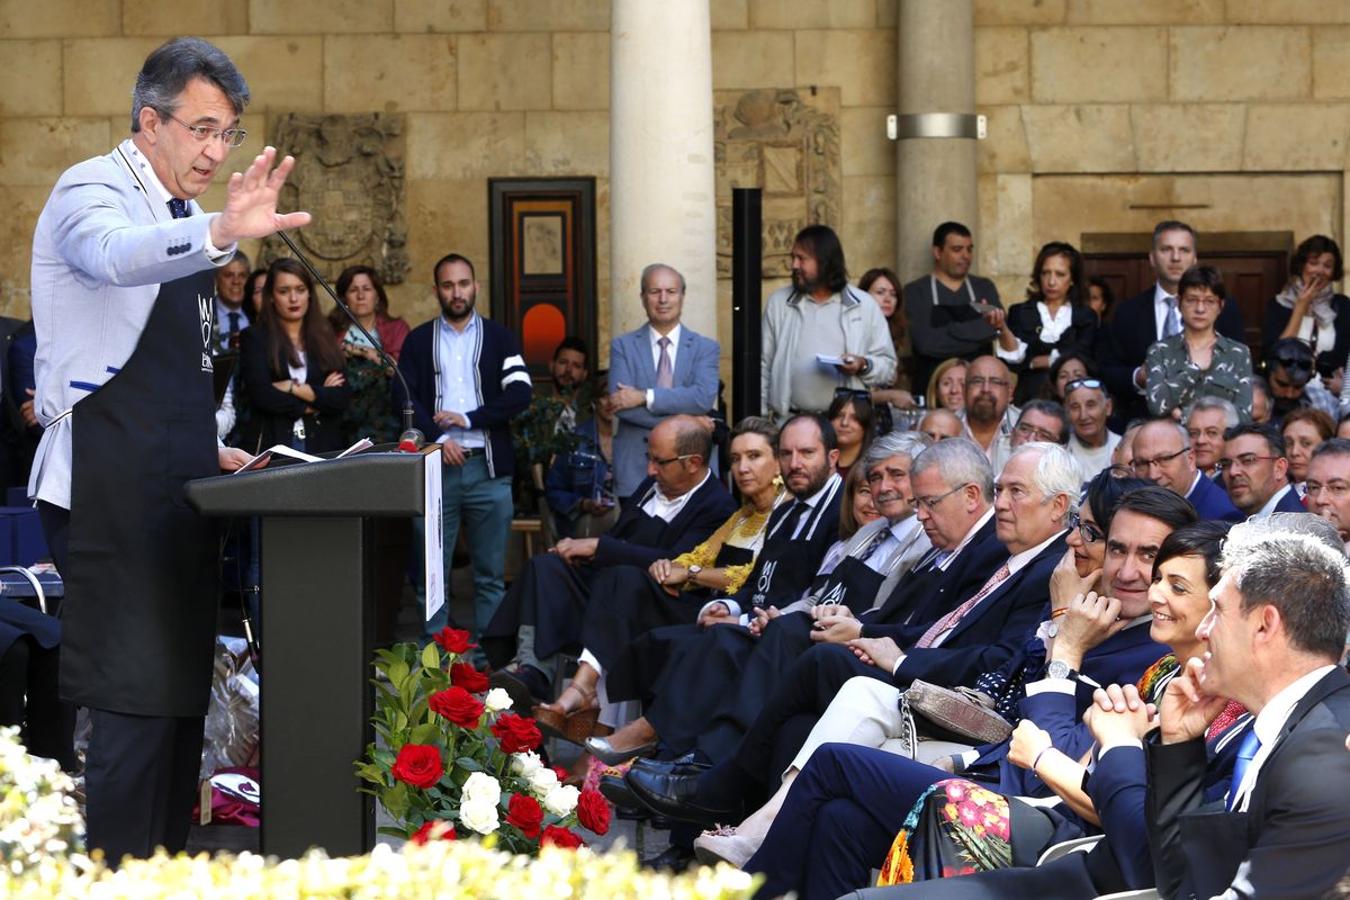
x: 820, y: 333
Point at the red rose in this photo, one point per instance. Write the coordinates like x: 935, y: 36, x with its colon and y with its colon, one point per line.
x: 560, y: 837
x: 593, y: 812
x: 516, y: 734
x: 466, y: 676
x: 457, y: 705
x: 423, y: 834
x: 419, y: 765
x: 453, y: 640
x: 526, y: 814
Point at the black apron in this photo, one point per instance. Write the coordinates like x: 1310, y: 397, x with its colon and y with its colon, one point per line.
x: 851, y: 584
x: 139, y: 615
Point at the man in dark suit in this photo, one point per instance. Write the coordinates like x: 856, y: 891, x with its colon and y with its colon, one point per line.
x: 678, y: 505
x: 1150, y: 316
x: 1163, y: 454
x: 979, y: 635
x: 1256, y: 472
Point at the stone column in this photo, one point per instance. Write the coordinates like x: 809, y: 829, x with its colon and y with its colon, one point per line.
x: 661, y: 176
x: 935, y: 153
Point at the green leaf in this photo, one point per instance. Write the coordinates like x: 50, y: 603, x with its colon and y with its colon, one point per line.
x: 468, y: 764
x: 391, y: 831
x: 431, y: 656
x: 398, y: 674
x: 424, y: 734
x: 396, y: 800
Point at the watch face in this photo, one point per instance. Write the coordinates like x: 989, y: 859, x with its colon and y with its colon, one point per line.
x: 1058, y: 669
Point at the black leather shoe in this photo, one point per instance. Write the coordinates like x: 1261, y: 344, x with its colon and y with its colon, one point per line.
x: 615, y: 790
x: 526, y: 685
x: 672, y: 859
x: 675, y: 796
x: 683, y: 765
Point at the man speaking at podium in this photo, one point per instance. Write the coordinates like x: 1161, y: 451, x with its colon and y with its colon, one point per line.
x: 123, y: 266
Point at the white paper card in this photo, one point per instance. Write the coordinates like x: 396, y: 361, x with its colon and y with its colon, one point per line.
x: 433, y: 537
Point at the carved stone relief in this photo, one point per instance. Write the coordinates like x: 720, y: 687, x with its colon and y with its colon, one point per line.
x: 787, y: 143
x: 349, y: 175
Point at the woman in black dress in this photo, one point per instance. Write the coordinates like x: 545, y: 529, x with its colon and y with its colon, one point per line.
x: 1053, y: 321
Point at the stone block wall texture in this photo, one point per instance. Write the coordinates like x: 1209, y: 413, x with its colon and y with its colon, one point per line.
x: 1237, y: 109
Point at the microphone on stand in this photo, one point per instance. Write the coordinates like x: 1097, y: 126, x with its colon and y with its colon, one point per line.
x: 411, y: 439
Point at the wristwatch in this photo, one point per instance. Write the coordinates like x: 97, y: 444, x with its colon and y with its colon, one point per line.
x: 694, y: 570
x: 1058, y: 668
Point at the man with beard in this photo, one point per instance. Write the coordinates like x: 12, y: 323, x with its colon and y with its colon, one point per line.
x: 951, y: 312
x: 662, y: 369
x: 570, y: 369
x: 820, y: 333
x: 1289, y: 372
x: 467, y: 380
x: 1256, y: 472
x: 989, y: 415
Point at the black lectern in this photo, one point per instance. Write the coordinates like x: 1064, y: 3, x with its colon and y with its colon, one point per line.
x: 317, y: 629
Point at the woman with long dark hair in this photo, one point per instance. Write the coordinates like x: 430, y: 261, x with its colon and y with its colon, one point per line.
x: 1053, y: 321
x: 371, y: 411
x: 292, y: 368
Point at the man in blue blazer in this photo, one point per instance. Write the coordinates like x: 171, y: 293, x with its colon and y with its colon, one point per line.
x: 662, y: 369
x: 1163, y: 454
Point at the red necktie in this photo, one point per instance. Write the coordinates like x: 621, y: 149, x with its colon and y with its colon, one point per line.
x: 953, y: 618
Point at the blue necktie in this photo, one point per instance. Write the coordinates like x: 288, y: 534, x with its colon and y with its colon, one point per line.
x: 1246, y: 752
x: 178, y: 208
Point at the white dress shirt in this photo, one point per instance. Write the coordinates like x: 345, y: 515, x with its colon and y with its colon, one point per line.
x: 455, y: 360
x: 665, y: 508
x: 1269, y: 723
x: 1275, y: 498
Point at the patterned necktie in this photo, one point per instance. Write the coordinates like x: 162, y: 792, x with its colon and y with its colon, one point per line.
x: 665, y: 372
x: 234, y: 323
x: 953, y: 618
x: 1172, y: 326
x: 1246, y: 752
x: 877, y: 540
x: 178, y: 208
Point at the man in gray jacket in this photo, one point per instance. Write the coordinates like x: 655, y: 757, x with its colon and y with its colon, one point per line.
x: 820, y: 333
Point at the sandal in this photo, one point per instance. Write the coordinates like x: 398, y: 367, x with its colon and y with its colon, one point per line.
x: 573, y: 724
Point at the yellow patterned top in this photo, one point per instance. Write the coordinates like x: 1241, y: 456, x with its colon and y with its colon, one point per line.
x: 745, y: 529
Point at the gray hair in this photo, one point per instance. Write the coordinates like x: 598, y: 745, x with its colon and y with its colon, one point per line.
x: 1056, y: 472
x: 1299, y: 571
x: 895, y: 443
x: 1230, y: 413
x: 958, y: 461
x: 1048, y: 408
x: 167, y: 71
x: 1331, y: 447
x: 648, y: 271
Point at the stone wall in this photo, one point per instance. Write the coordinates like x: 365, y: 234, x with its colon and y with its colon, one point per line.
x: 1236, y: 109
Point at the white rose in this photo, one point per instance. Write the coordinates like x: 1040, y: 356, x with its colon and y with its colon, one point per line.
x: 543, y: 780
x: 562, y: 800
x: 479, y: 816
x: 526, y: 764
x: 482, y: 788
x: 497, y: 700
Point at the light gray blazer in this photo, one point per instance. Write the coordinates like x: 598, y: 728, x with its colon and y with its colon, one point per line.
x: 695, y: 392
x: 104, y: 243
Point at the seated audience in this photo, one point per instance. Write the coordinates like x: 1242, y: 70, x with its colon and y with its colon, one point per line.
x: 631, y: 600
x: 1198, y: 362
x: 1040, y: 420
x: 947, y: 386
x: 1053, y: 321
x: 1208, y: 420
x: 989, y: 416
x: 1328, y: 485
x: 1303, y: 429
x: 579, y: 487
x: 1092, y: 442
x: 1163, y: 455
x: 850, y: 413
x: 940, y: 424
x: 1256, y: 472
x: 677, y: 507
x: 371, y: 413
x: 1309, y: 309
x: 662, y: 369
x: 1289, y: 373
x: 820, y: 315
x: 1275, y: 635
x: 292, y: 369
x: 952, y: 313
x: 1067, y: 368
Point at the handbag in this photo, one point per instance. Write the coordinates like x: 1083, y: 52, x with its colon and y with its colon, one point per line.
x: 945, y: 714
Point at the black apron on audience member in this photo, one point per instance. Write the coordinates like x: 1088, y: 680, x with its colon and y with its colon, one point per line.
x: 626, y: 602
x: 139, y: 615
x: 708, y: 699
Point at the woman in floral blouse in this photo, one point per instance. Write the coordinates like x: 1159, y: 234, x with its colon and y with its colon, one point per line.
x: 1198, y: 362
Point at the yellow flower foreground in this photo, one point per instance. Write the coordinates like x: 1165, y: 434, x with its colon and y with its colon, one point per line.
x: 440, y: 869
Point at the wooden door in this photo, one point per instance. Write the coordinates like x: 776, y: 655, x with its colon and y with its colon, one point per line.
x: 543, y: 263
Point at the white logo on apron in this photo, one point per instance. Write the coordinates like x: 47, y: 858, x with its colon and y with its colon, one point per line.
x: 765, y: 580
x: 204, y: 309
x: 835, y: 597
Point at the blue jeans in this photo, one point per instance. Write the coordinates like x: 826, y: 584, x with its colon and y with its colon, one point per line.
x: 484, y: 505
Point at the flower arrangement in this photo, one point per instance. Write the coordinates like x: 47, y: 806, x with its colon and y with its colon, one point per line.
x: 455, y: 763
x: 39, y: 818
x: 438, y: 869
